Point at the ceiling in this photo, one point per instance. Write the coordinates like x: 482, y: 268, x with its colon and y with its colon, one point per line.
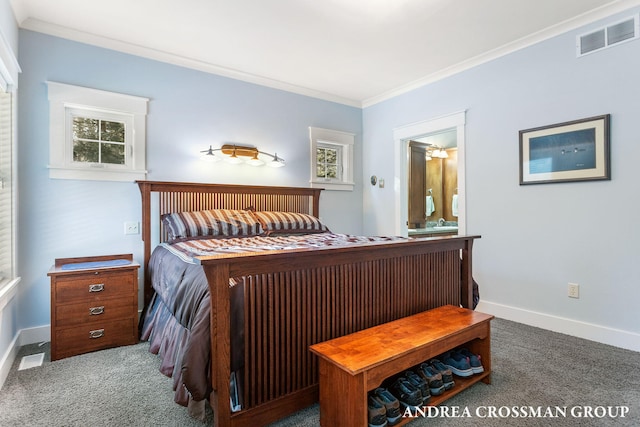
x: 357, y: 52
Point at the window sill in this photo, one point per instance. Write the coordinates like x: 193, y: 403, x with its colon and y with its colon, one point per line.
x: 96, y: 174
x: 337, y: 186
x: 7, y: 291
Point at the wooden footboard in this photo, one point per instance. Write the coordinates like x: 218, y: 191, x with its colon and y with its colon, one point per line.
x: 297, y: 298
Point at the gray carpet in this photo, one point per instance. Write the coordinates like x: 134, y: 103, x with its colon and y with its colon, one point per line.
x: 533, y: 370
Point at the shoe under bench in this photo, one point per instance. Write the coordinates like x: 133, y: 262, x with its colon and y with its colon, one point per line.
x: 353, y: 365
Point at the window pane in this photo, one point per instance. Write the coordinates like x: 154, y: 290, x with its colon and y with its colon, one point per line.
x: 332, y: 171
x: 113, y: 153
x: 320, y: 155
x: 85, y: 128
x: 320, y: 171
x: 112, y: 131
x: 332, y: 156
x: 85, y: 151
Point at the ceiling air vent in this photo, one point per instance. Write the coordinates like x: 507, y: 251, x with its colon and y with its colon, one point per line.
x: 602, y: 38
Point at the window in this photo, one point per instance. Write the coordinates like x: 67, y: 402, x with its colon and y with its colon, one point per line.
x: 9, y: 70
x: 98, y: 139
x: 7, y: 200
x: 96, y: 134
x: 331, y: 159
x: 328, y: 162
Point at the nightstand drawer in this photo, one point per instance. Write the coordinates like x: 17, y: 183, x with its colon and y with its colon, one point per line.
x: 95, y: 336
x: 94, y: 311
x: 94, y: 286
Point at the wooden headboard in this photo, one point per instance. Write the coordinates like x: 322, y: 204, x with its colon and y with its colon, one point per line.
x: 160, y: 198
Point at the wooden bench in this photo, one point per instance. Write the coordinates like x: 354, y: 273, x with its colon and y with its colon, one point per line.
x: 352, y: 365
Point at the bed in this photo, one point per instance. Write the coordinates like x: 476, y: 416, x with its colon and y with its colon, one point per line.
x: 242, y: 345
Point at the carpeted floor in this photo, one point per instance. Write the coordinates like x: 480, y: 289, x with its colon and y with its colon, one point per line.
x: 539, y: 378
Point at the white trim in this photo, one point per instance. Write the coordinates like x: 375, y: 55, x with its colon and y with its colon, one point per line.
x: 9, y: 67
x: 63, y: 97
x: 514, y: 46
x: 7, y: 360
x: 345, y: 142
x: 7, y: 292
x: 26, y: 336
x: 590, y: 331
x: 117, y: 45
x: 37, y: 334
x: 401, y: 136
x: 95, y: 174
x: 170, y: 58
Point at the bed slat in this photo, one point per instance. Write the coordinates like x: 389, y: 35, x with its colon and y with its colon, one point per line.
x: 303, y: 307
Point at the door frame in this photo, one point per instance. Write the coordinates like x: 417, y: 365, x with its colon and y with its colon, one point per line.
x: 401, y: 137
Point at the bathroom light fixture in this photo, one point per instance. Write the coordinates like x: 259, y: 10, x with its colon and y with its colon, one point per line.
x: 237, y: 154
x: 435, y: 152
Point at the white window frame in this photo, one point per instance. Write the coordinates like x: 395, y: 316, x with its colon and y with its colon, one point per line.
x: 9, y: 70
x: 66, y: 101
x: 343, y: 142
x: 8, y: 279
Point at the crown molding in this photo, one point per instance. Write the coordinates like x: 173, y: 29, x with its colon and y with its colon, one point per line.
x: 170, y: 58
x: 545, y: 34
x: 9, y: 67
x: 158, y: 55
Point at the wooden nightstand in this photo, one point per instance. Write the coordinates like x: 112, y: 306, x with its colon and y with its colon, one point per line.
x: 94, y: 304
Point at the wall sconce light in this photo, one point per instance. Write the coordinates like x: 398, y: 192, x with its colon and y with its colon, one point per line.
x: 237, y: 154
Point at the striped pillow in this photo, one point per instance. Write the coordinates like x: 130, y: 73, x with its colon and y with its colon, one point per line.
x: 273, y: 222
x: 215, y: 222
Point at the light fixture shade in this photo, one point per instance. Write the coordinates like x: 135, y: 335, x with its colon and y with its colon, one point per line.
x: 444, y: 154
x: 435, y: 152
x: 233, y: 159
x: 255, y: 161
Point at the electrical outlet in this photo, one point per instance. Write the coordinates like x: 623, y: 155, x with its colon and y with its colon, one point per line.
x: 573, y: 290
x: 131, y: 228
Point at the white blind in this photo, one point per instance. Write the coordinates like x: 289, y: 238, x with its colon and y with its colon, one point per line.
x: 6, y: 197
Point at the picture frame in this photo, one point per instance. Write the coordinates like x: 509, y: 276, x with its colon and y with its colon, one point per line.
x: 572, y: 151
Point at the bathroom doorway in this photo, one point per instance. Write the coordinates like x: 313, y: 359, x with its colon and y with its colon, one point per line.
x: 439, y: 132
x: 432, y: 185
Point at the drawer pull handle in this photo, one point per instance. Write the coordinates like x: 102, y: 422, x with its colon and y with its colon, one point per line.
x: 96, y: 334
x: 94, y: 311
x: 99, y: 287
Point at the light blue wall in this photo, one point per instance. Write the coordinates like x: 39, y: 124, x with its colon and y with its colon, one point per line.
x: 188, y: 110
x: 535, y: 239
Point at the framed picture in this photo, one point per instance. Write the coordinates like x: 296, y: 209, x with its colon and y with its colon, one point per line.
x: 566, y: 152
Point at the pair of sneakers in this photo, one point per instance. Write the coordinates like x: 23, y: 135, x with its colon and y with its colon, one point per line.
x: 433, y: 378
x: 463, y: 362
x: 408, y: 391
x: 383, y: 408
x: 447, y: 375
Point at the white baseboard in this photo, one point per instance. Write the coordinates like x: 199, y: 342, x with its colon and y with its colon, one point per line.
x: 615, y: 337
x: 7, y: 360
x: 23, y: 337
x: 34, y: 335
